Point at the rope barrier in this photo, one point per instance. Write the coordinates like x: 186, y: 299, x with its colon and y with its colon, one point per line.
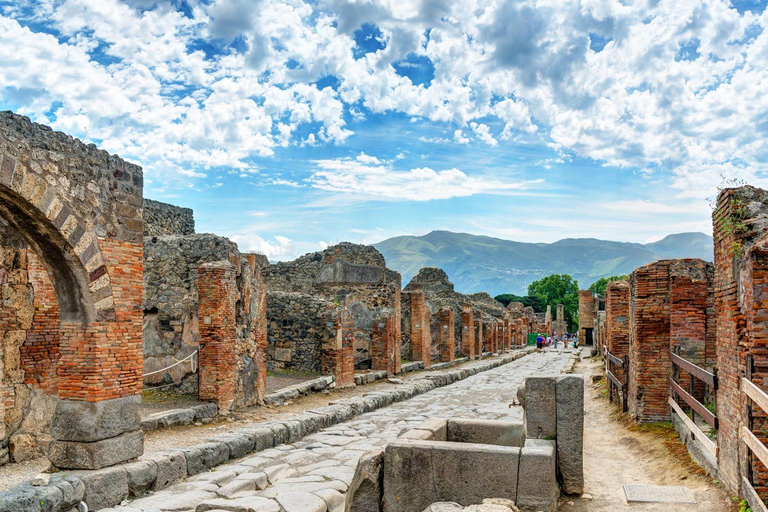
x: 194, y: 368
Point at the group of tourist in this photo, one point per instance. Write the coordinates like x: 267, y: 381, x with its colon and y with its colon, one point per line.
x: 568, y: 340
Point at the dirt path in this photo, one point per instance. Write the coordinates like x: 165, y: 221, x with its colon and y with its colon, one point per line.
x: 617, y: 452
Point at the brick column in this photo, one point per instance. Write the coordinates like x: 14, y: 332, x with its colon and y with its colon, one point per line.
x: 616, y: 336
x: 338, y: 356
x: 586, y: 314
x: 668, y: 305
x: 216, y: 291
x: 383, y: 344
x: 420, y: 320
x: 447, y: 335
x: 479, y: 335
x: 467, y: 331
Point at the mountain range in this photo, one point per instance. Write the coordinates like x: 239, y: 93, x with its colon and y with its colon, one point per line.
x: 482, y: 263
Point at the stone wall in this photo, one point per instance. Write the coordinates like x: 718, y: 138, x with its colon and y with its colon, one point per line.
x: 299, y: 327
x: 668, y: 306
x: 171, y: 301
x: 166, y: 219
x: 351, y: 275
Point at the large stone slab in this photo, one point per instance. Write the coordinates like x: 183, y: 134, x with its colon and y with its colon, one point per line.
x: 419, y: 473
x: 96, y: 455
x: 540, y: 408
x: 537, y: 488
x: 495, y: 432
x: 637, y: 493
x: 570, y: 433
x: 364, y: 494
x: 75, y: 420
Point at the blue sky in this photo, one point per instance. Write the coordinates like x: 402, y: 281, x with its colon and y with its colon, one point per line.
x: 288, y: 125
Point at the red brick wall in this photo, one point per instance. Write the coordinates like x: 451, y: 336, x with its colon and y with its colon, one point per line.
x: 740, y: 284
x: 616, y: 337
x: 216, y: 291
x: 104, y: 359
x: 447, y: 337
x: 339, y: 359
x: 586, y: 313
x: 420, y: 320
x: 384, y: 350
x: 467, y: 331
x: 40, y: 352
x: 668, y: 306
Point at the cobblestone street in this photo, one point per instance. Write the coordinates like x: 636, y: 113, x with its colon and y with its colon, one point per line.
x: 313, y: 474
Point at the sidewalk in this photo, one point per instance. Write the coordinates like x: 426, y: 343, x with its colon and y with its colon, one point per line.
x: 616, y: 453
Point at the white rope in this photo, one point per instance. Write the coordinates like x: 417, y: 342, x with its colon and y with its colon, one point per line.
x: 175, y: 364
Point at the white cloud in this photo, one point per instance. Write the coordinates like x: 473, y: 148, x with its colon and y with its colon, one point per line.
x: 136, y: 77
x: 369, y: 179
x: 279, y: 248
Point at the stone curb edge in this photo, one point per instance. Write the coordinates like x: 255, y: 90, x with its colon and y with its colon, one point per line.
x: 108, y: 487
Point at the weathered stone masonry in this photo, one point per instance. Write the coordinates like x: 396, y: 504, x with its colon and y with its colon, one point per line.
x: 80, y: 210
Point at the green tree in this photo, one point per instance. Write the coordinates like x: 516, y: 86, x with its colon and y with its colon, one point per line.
x: 600, y: 285
x: 527, y: 300
x: 559, y: 289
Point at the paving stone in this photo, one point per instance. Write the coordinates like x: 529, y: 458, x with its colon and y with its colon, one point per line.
x: 249, y: 504
x: 334, y: 500
x: 301, y: 502
x: 259, y: 479
x: 173, y: 501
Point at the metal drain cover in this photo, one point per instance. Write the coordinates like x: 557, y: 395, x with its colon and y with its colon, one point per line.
x: 637, y: 493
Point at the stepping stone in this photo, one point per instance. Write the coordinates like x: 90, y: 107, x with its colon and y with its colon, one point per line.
x: 637, y: 493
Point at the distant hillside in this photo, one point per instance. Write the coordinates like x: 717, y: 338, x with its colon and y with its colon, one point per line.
x: 482, y: 263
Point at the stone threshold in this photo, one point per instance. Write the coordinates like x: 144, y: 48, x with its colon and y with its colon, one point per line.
x: 304, y: 388
x: 155, y: 471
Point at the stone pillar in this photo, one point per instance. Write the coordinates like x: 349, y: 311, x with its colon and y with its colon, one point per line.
x: 467, y: 331
x: 447, y: 336
x: 586, y: 314
x: 420, y: 320
x: 216, y: 290
x: 561, y: 327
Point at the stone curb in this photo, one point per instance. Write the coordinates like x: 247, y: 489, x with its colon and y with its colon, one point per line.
x: 108, y: 487
x: 292, y: 392
x: 174, y: 417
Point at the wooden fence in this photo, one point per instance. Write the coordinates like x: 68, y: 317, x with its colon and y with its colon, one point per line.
x: 617, y: 387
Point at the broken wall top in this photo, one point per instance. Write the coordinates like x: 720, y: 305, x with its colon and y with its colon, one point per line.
x: 167, y: 219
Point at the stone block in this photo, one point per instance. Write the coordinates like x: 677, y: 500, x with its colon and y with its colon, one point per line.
x: 141, y: 475
x: 19, y: 499
x: 247, y: 504
x: 365, y: 491
x: 537, y: 488
x: 570, y: 433
x: 437, y: 426
x: 540, y: 408
x: 499, y: 433
x: 419, y: 473
x: 104, y: 488
x: 171, y: 467
x: 98, y: 454
x: 76, y: 420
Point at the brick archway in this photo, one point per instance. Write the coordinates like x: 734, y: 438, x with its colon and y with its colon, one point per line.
x: 80, y: 210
